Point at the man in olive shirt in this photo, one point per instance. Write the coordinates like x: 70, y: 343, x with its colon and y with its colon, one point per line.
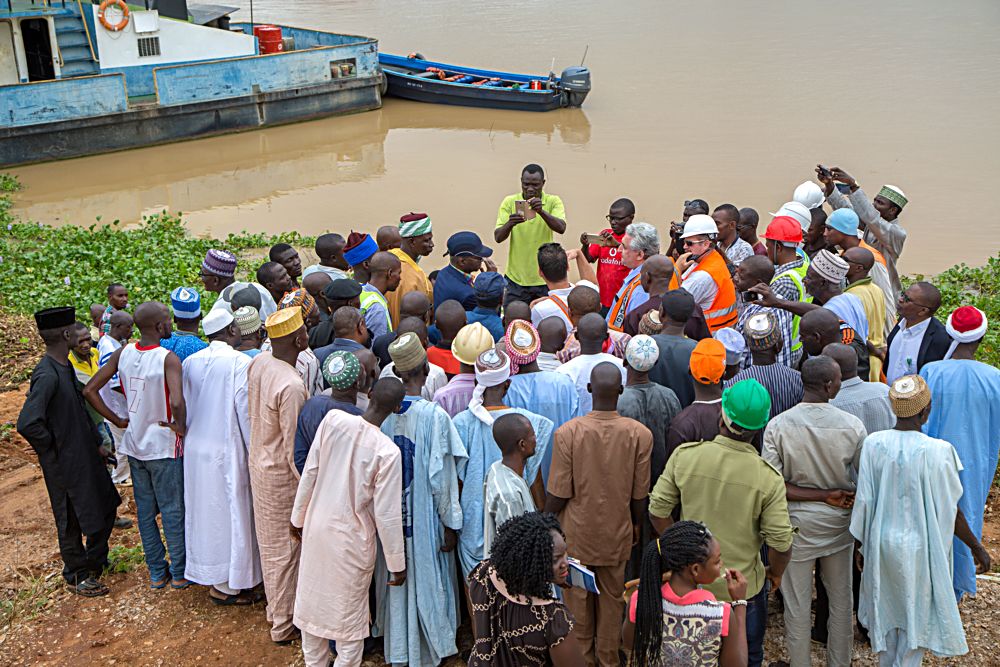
x: 528, y: 230
x: 727, y: 486
x: 598, y: 486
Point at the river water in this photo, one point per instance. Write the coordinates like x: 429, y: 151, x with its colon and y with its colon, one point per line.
x: 725, y: 100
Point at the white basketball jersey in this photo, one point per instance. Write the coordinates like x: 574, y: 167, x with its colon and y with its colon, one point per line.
x: 140, y: 371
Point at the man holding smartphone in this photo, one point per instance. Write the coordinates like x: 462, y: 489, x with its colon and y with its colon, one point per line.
x: 611, y: 271
x: 527, y: 233
x: 880, y: 215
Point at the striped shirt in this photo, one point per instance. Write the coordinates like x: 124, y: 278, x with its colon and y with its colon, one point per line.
x: 615, y: 344
x: 783, y: 383
x: 868, y: 401
x: 507, y: 496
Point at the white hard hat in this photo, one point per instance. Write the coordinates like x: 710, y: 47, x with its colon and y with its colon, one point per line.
x: 700, y: 224
x: 800, y: 212
x: 809, y: 195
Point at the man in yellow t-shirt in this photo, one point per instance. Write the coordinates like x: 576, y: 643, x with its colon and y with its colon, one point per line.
x: 527, y: 236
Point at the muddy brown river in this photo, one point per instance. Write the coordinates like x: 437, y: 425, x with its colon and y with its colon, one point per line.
x: 725, y: 100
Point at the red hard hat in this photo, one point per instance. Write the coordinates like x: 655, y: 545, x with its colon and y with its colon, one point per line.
x: 785, y: 229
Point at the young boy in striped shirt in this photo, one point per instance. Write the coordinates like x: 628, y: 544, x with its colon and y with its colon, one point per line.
x: 507, y: 494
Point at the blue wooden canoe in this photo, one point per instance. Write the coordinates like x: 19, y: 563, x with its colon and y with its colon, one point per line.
x: 413, y: 78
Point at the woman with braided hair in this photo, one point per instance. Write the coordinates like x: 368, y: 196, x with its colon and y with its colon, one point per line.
x: 679, y: 624
x: 516, y: 619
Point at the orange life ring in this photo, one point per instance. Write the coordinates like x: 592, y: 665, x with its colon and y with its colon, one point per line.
x: 113, y: 27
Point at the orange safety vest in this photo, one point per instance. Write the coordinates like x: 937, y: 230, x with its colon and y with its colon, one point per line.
x: 619, y: 309
x: 722, y: 313
x: 560, y: 304
x: 616, y: 316
x: 675, y: 279
x: 879, y: 257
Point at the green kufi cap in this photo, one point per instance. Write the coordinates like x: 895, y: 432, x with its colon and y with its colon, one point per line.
x: 341, y: 369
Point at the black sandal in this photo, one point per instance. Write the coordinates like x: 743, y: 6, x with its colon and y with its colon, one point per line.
x: 90, y: 588
x: 238, y: 600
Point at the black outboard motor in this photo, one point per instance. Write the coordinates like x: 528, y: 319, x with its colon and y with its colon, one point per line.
x: 575, y: 84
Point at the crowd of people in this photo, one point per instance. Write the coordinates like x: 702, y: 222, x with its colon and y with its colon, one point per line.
x: 626, y: 465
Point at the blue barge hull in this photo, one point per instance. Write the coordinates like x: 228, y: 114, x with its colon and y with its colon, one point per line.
x: 98, y: 97
x: 153, y: 124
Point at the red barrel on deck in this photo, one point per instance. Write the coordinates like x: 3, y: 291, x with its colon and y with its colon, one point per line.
x: 269, y: 37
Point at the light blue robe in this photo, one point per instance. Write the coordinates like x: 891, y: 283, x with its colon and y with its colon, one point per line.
x: 904, y: 517
x: 419, y: 618
x: 483, y: 452
x: 545, y: 393
x: 965, y: 411
x: 850, y: 309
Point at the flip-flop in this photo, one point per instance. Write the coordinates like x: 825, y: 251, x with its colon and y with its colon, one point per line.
x: 176, y: 586
x: 158, y: 585
x: 90, y: 588
x: 237, y: 600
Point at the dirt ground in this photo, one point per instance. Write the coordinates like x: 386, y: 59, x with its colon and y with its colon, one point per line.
x: 42, y: 624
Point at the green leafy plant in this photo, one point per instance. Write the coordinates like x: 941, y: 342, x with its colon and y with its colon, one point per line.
x: 123, y: 559
x: 44, y: 266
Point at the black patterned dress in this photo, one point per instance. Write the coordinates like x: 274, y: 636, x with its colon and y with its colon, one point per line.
x: 512, y: 631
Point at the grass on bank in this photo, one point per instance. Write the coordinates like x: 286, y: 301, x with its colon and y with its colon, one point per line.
x: 44, y: 266
x: 30, y: 596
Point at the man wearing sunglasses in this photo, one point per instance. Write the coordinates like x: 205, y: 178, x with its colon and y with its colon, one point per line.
x: 705, y: 274
x: 919, y: 338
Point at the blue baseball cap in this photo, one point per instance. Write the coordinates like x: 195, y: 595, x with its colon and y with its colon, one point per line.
x: 186, y: 303
x: 489, y: 285
x: 467, y: 243
x: 844, y: 220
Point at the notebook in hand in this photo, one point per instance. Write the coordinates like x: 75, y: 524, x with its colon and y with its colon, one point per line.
x: 581, y: 577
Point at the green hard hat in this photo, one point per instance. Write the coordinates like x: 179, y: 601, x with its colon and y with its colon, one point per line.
x: 747, y: 404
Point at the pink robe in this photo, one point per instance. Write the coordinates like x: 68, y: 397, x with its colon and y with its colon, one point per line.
x: 351, y: 489
x: 276, y: 396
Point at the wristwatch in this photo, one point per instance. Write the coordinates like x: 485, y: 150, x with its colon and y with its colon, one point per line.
x: 738, y: 603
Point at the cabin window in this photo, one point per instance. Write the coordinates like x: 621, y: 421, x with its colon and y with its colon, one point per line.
x: 340, y: 69
x: 149, y: 46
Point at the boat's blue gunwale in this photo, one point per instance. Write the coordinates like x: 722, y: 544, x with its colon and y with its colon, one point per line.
x: 32, y: 13
x: 402, y: 61
x: 362, y: 39
x: 368, y: 40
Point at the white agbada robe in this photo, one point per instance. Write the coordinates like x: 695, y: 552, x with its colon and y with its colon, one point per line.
x: 350, y: 490
x: 220, y: 539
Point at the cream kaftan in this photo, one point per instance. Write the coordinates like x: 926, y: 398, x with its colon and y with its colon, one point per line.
x: 351, y: 489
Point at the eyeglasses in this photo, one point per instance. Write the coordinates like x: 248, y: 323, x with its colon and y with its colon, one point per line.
x: 613, y: 218
x: 906, y: 298
x: 688, y: 242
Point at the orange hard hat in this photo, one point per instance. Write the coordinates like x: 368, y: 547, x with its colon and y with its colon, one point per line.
x: 785, y: 229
